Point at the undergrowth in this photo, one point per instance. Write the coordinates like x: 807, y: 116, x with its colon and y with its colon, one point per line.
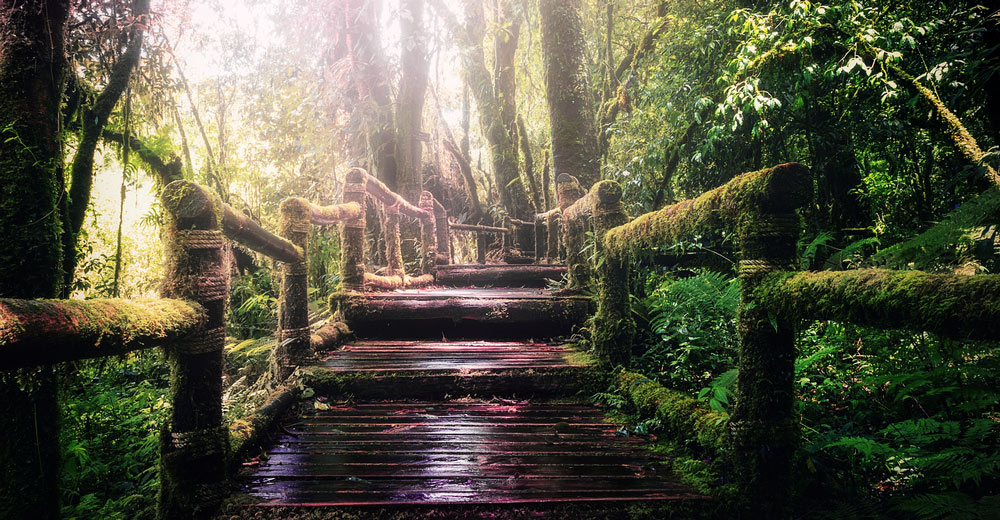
x: 895, y: 424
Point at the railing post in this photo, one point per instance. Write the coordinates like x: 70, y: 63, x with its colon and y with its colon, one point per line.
x: 613, y: 324
x: 552, y: 232
x: 293, y: 303
x: 352, y: 233
x: 194, y: 443
x: 505, y: 239
x: 541, y: 239
x: 393, y: 253
x: 428, y: 233
x: 481, y: 246
x: 763, y: 428
x: 568, y: 191
x: 443, y: 230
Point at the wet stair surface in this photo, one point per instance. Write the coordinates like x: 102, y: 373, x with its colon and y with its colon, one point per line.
x: 473, y: 424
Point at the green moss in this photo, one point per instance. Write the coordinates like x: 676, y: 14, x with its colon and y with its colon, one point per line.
x: 682, y: 416
x: 45, y: 331
x: 736, y: 205
x: 955, y: 305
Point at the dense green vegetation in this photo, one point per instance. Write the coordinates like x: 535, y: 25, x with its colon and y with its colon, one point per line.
x: 894, y: 106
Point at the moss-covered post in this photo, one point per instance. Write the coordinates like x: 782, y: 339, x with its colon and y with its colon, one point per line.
x: 194, y: 443
x: 293, y: 304
x: 613, y: 324
x: 393, y: 253
x: 428, y: 233
x: 572, y: 231
x: 352, y: 233
x: 568, y: 191
x: 552, y: 233
x: 481, y: 248
x: 541, y: 240
x: 506, y: 238
x: 763, y: 428
x: 443, y: 233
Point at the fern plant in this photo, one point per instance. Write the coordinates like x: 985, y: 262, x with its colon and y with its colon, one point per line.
x: 692, y: 321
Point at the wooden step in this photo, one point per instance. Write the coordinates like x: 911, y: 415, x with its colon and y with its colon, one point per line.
x: 498, y: 275
x: 462, y: 313
x: 407, y: 369
x: 456, y: 453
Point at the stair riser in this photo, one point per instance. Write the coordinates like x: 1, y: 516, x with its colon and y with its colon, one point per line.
x: 520, y: 383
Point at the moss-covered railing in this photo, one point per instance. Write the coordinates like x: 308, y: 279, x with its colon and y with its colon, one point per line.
x: 187, y: 322
x: 759, y: 208
x: 435, y: 232
x: 550, y: 246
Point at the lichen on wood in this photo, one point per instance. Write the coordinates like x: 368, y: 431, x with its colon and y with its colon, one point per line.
x: 34, y: 332
x: 733, y: 206
x: 961, y: 306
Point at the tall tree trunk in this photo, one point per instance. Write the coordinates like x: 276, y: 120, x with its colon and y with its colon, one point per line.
x: 502, y: 144
x: 504, y: 85
x: 94, y: 120
x: 410, y: 101
x: 32, y: 75
x: 529, y: 166
x: 571, y: 115
x: 371, y: 80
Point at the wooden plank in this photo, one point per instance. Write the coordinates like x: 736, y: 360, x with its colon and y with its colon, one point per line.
x: 499, y: 275
x: 458, y: 452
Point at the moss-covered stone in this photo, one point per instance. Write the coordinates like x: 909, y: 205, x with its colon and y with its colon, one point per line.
x: 962, y: 306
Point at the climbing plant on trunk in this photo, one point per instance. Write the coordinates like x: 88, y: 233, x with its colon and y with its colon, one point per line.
x: 32, y: 71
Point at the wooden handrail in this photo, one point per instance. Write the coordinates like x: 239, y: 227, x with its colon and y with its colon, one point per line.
x: 478, y: 229
x: 322, y: 215
x: 188, y: 200
x: 39, y: 332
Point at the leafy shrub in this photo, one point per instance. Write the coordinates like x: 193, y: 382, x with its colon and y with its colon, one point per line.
x: 694, y: 332
x: 253, y: 305
x: 112, y: 410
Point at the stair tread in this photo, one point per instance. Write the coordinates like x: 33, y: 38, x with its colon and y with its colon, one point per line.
x: 458, y: 452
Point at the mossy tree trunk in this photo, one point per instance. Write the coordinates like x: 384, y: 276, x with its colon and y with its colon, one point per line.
x: 410, y: 101
x: 571, y: 112
x: 32, y: 71
x: 502, y: 142
x: 763, y: 428
x: 358, y: 23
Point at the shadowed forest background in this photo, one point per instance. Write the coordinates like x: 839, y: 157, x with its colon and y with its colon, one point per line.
x: 894, y: 106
